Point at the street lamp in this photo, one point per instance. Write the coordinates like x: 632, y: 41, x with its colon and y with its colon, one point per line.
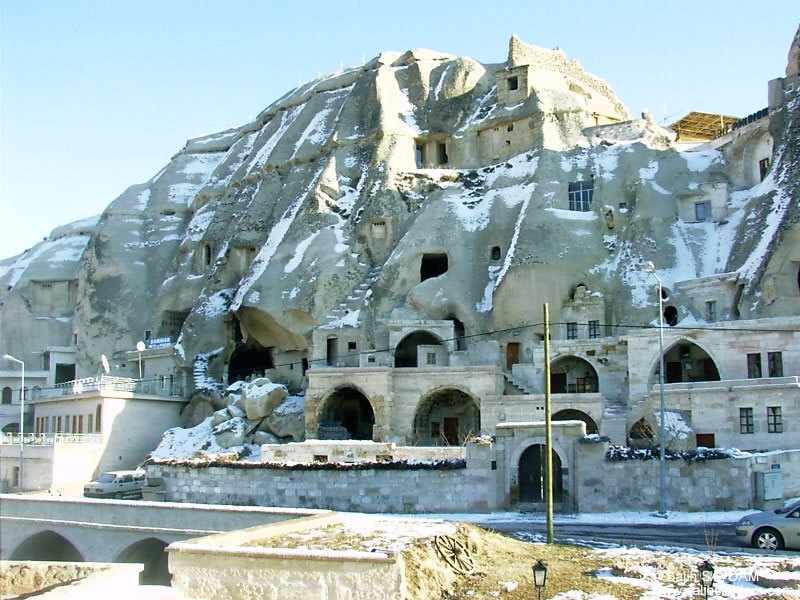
x: 21, y: 415
x: 539, y: 577
x: 706, y: 570
x: 662, y: 496
x: 140, y: 348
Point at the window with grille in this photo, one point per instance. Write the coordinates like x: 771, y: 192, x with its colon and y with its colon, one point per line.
x: 580, y: 195
x: 754, y: 366
x: 775, y: 364
x: 711, y: 311
x: 572, y: 331
x: 702, y: 211
x: 774, y: 419
x: 745, y: 420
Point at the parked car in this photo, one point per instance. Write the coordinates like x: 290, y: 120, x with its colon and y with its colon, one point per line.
x: 116, y: 484
x: 772, y: 530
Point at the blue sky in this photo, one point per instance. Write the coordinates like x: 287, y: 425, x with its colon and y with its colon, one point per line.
x: 96, y: 95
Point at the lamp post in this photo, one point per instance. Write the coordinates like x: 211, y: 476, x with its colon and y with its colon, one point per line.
x: 706, y: 570
x: 539, y: 578
x: 21, y: 414
x: 140, y: 348
x: 662, y: 496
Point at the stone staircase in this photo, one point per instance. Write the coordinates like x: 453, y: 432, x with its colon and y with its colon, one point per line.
x: 355, y: 301
x: 518, y: 382
x: 614, y: 425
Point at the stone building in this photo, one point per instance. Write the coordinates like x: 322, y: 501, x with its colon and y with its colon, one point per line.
x: 384, y: 239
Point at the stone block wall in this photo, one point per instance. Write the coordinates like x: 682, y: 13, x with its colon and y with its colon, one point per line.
x: 708, y: 485
x: 371, y: 490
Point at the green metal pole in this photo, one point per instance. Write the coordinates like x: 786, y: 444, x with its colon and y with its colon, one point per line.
x: 548, y: 427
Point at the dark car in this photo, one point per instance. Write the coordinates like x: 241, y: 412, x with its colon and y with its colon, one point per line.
x: 772, y: 530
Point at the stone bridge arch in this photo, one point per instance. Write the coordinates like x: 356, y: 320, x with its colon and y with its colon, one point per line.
x: 47, y: 545
x: 151, y: 553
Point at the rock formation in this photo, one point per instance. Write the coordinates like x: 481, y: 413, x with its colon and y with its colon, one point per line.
x: 419, y: 186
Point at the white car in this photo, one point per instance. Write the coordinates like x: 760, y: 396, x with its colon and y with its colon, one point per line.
x: 772, y: 530
x: 116, y: 484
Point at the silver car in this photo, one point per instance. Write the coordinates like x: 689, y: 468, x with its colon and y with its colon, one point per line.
x: 772, y: 530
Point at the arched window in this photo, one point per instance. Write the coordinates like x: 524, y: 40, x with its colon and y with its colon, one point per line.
x: 6, y: 395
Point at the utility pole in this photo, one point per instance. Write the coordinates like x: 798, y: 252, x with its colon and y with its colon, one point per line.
x: 548, y: 427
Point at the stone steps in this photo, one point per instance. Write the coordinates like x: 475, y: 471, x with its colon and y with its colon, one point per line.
x: 355, y: 300
x: 517, y: 382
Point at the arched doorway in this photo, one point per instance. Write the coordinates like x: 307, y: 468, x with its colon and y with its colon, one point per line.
x: 446, y: 417
x: 47, y: 545
x: 347, y: 412
x: 533, y: 475
x: 572, y: 375
x: 405, y: 355
x: 685, y: 361
x: 151, y: 554
x: 571, y: 414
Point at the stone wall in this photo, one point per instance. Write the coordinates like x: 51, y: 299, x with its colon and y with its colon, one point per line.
x: 417, y: 488
x: 707, y: 485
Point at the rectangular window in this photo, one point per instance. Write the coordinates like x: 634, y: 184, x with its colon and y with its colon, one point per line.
x: 754, y: 366
x: 745, y: 420
x: 763, y: 167
x: 623, y: 206
x: 351, y: 346
x: 45, y: 361
x: 775, y: 364
x: 580, y: 195
x: 80, y: 424
x: 435, y: 429
x: 582, y: 385
x: 594, y: 329
x: 89, y: 423
x: 774, y: 419
x: 711, y: 310
x: 702, y: 211
x: 58, y: 429
x: 431, y: 358
x: 572, y: 331
x: 513, y: 83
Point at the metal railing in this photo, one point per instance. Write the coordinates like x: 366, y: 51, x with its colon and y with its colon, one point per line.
x: 49, y: 439
x: 164, y: 386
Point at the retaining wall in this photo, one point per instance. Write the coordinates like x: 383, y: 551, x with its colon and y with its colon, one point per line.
x: 417, y: 488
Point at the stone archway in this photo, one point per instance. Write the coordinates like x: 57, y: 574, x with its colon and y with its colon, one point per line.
x: 571, y: 414
x: 346, y: 414
x: 685, y: 361
x: 573, y: 375
x: 47, y: 545
x: 405, y: 354
x: 149, y: 552
x: 533, y: 475
x: 446, y: 417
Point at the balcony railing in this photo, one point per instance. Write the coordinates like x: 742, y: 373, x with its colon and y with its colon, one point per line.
x: 49, y: 439
x: 166, y: 387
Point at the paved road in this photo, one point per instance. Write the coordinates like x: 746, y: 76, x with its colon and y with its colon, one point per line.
x: 721, y: 536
